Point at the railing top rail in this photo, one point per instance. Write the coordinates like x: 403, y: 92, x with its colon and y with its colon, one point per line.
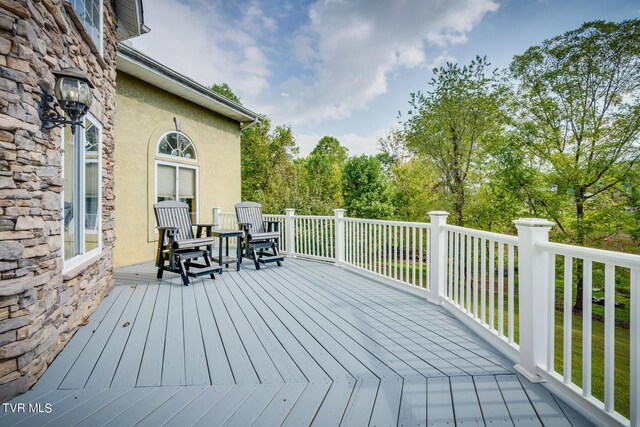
x: 387, y: 222
x: 314, y: 217
x: 502, y: 238
x: 595, y: 255
x: 274, y: 215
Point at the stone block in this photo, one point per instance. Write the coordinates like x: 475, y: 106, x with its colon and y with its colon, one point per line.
x: 7, y: 337
x: 13, y: 323
x: 8, y: 366
x: 29, y: 223
x: 16, y: 348
x: 35, y: 251
x: 16, y: 8
x: 7, y: 182
x: 5, y: 46
x: 10, y: 250
x: 17, y: 285
x: 10, y: 377
x: 10, y: 389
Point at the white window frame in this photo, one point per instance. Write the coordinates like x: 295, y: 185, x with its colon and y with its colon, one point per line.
x: 100, y: 47
x: 178, y: 165
x: 79, y: 259
x: 171, y: 158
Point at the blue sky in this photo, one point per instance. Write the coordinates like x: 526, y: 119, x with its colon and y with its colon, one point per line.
x: 345, y: 68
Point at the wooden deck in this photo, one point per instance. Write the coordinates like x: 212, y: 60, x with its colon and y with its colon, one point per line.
x: 306, y: 343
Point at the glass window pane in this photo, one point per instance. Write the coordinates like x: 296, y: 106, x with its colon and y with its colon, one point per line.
x: 68, y: 210
x: 166, y: 183
x: 91, y: 187
x: 177, y: 145
x: 187, y: 190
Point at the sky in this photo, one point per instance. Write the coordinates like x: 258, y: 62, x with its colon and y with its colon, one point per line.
x: 346, y: 68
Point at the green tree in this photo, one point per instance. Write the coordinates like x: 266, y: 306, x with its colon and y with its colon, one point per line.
x: 365, y: 188
x: 324, y: 173
x: 579, y: 111
x: 451, y: 124
x: 224, y: 90
x: 269, y: 174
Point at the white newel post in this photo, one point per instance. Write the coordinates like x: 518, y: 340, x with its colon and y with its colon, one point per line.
x: 216, y: 218
x: 438, y: 259
x: 339, y: 238
x: 290, y: 232
x: 533, y: 288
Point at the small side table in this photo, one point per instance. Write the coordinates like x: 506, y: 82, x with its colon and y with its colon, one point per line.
x: 224, y: 235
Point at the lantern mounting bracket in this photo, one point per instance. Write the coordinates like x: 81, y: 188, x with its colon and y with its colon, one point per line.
x: 51, y: 116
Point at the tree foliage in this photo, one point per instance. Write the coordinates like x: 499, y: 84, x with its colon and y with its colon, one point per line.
x: 578, y: 101
x: 452, y: 123
x: 365, y: 188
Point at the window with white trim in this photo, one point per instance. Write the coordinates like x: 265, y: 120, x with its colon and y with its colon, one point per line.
x: 176, y: 180
x: 82, y: 207
x: 90, y: 14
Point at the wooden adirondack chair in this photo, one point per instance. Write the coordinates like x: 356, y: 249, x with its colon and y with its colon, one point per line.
x: 261, y: 238
x: 177, y: 245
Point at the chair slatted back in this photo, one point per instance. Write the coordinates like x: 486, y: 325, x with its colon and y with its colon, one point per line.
x: 251, y: 212
x: 171, y: 213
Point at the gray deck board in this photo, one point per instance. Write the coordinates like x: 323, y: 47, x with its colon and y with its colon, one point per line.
x: 466, y: 406
x: 292, y: 343
x: 126, y: 374
x: 304, y: 344
x: 61, y: 364
x: 79, y: 373
x: 279, y: 407
x: 150, y: 373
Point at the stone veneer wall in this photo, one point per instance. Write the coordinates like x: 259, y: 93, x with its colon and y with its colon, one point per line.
x: 40, y: 309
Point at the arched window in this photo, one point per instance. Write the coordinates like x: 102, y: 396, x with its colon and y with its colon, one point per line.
x: 175, y: 178
x: 177, y: 144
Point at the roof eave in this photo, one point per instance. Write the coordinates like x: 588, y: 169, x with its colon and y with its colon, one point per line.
x: 137, y: 64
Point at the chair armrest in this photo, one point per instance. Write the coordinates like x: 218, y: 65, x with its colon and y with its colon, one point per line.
x: 170, y: 231
x: 202, y: 225
x: 244, y: 225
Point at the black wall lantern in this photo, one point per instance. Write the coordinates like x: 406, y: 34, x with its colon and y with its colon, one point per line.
x: 72, y: 95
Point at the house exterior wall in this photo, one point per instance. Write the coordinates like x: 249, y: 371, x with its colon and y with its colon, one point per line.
x: 40, y: 305
x: 144, y: 114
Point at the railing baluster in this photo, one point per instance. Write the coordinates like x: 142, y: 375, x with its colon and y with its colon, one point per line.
x: 413, y: 256
x: 634, y: 287
x: 500, y: 289
x: 586, y: 327
x: 456, y: 267
x: 609, y: 335
x: 492, y: 287
x: 510, y: 294
x: 568, y: 290
x: 483, y: 281
x: 551, y: 320
x: 468, y: 263
x: 395, y: 252
x: 407, y: 245
x: 476, y: 277
x: 450, y: 270
x: 420, y: 246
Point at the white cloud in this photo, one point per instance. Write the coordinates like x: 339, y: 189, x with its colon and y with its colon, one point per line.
x: 356, y: 144
x: 198, y: 41
x: 350, y: 48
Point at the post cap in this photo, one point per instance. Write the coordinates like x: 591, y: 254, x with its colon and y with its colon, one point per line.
x: 533, y: 222
x: 289, y: 210
x: 339, y: 211
x: 438, y: 213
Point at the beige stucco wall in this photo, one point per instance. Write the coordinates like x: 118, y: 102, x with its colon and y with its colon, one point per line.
x: 143, y: 114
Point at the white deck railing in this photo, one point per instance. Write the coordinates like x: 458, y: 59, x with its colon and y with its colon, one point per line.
x: 503, y: 287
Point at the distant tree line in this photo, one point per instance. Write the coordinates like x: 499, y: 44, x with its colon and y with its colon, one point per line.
x: 556, y: 135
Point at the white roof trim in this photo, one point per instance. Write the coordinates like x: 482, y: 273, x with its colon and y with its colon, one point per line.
x: 137, y: 64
